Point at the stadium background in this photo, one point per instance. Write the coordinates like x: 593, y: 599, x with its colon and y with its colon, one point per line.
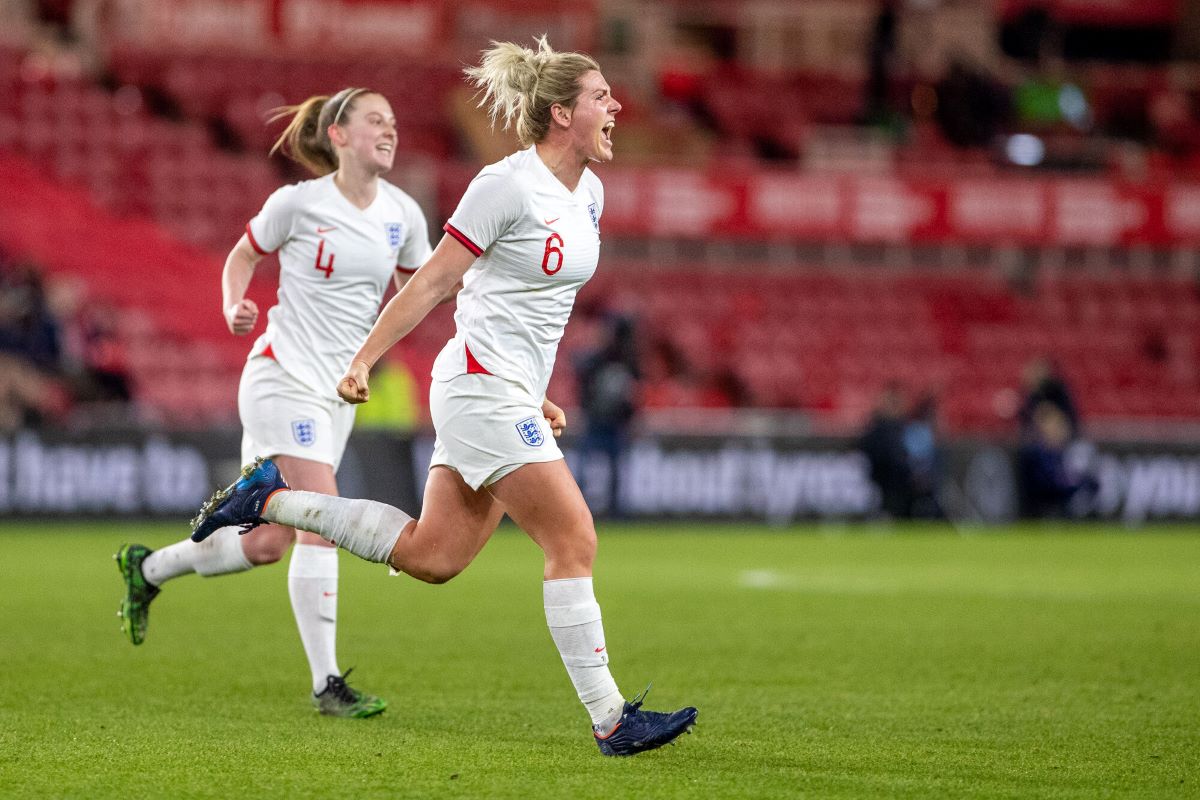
x: 814, y: 214
x: 818, y: 209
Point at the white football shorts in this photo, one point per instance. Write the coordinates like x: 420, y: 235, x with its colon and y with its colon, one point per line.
x: 282, y: 416
x: 487, y: 427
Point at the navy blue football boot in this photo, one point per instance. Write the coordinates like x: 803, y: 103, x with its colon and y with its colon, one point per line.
x: 639, y: 730
x: 242, y: 502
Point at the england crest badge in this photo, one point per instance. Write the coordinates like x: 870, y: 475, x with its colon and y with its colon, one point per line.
x: 304, y: 431
x: 395, y: 231
x: 531, y: 432
x: 594, y: 213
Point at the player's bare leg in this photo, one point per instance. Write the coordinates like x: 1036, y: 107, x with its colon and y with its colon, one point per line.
x: 455, y: 526
x: 543, y: 498
x: 545, y: 501
x: 456, y: 522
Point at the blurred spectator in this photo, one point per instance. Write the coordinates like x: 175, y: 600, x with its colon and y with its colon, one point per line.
x: 883, y: 444
x: 27, y: 328
x: 972, y: 106
x: 105, y: 377
x: 924, y: 459
x: 30, y: 351
x: 57, y: 355
x: 880, y: 55
x: 1047, y: 485
x: 1172, y: 116
x: 28, y: 397
x: 1032, y: 35
x: 1044, y: 384
x: 608, y: 384
x: 684, y: 68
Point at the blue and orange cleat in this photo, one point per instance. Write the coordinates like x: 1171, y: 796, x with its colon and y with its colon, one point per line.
x: 638, y: 731
x: 241, y: 503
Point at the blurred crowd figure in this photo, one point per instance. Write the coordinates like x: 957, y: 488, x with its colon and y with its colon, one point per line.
x: 1051, y: 483
x: 907, y: 462
x: 902, y: 447
x: 608, y: 378
x: 57, y: 355
x: 1045, y: 385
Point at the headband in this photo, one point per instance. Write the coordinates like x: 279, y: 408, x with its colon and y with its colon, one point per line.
x: 342, y: 107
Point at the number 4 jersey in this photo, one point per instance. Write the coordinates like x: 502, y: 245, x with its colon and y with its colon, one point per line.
x: 335, y: 261
x: 537, y: 243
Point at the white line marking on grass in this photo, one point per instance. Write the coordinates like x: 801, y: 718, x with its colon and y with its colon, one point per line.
x: 767, y: 579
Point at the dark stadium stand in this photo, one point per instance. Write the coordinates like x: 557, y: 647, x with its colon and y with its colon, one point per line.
x: 239, y: 91
x: 813, y: 339
x: 830, y: 341
x: 131, y: 161
x: 183, y: 364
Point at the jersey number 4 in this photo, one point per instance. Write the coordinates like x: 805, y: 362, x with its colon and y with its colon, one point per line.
x: 327, y: 267
x: 551, y: 250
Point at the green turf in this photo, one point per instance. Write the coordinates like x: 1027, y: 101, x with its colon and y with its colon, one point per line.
x: 832, y: 663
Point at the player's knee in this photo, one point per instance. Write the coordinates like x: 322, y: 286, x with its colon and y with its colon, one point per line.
x: 574, y: 552
x: 436, y: 573
x: 267, y: 549
x: 436, y: 568
x: 584, y: 545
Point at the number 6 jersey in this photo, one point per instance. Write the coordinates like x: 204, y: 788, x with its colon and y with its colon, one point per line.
x: 335, y: 261
x: 537, y: 243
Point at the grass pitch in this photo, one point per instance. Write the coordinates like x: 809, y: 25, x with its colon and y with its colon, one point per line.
x: 826, y: 663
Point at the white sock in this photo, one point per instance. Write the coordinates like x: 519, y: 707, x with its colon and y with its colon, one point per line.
x: 313, y: 586
x: 219, y: 554
x: 364, y: 527
x: 574, y: 619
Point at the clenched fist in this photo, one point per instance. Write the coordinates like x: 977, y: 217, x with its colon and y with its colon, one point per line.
x: 353, y: 386
x: 241, y: 316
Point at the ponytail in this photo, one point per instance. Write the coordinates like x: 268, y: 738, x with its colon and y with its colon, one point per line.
x: 519, y: 85
x: 305, y: 140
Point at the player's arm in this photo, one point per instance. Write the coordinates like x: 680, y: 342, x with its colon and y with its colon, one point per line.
x: 240, y: 312
x: 425, y: 289
x: 401, y: 277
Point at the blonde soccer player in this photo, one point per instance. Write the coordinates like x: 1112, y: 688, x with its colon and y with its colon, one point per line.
x: 341, y: 238
x: 524, y: 238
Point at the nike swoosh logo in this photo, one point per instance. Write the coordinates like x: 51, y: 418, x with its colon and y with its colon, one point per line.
x: 599, y: 649
x: 329, y: 594
x: 552, y: 221
x: 326, y: 230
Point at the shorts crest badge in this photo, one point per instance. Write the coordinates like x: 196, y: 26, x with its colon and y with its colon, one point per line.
x: 531, y: 432
x: 395, y: 231
x: 304, y: 431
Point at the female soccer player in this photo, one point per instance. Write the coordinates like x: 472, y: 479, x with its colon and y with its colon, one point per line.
x: 525, y: 237
x: 340, y: 238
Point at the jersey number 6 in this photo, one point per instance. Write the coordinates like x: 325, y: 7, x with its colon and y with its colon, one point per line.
x: 556, y: 251
x: 327, y: 267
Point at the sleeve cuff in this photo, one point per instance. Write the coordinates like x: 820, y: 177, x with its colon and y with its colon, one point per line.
x: 463, y: 239
x: 254, y: 242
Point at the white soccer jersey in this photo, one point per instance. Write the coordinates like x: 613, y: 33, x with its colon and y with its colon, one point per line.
x: 335, y: 262
x: 537, y: 243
